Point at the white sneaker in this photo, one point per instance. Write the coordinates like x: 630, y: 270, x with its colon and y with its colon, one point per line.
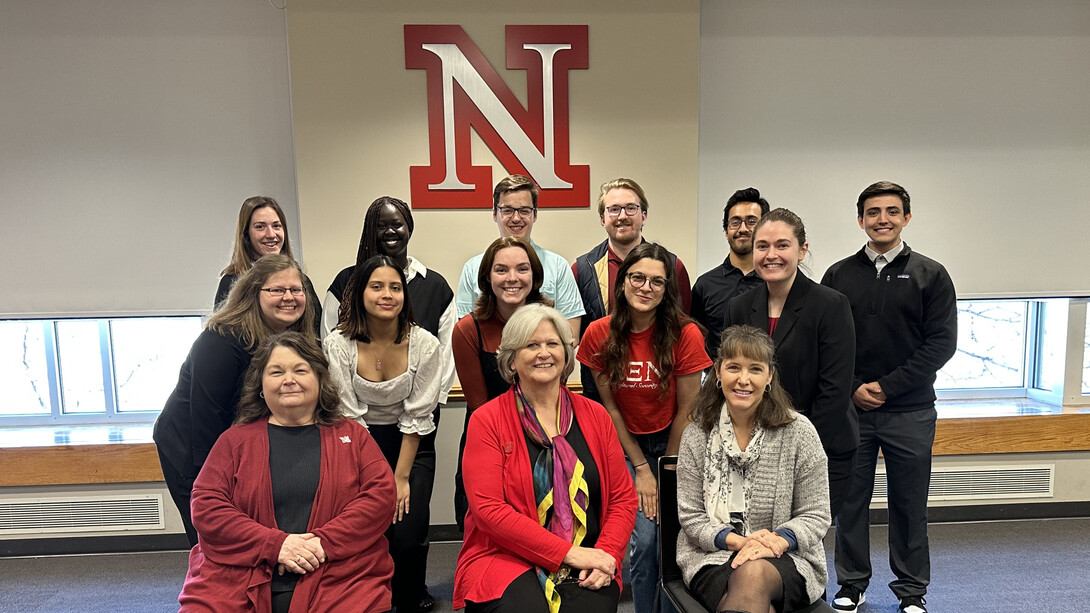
x: 849, y: 598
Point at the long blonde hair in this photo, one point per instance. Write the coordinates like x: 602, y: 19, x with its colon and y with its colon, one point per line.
x: 243, y: 255
x: 241, y: 316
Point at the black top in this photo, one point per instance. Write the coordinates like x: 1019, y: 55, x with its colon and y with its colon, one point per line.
x: 578, y: 442
x: 906, y: 324
x: 295, y: 458
x: 494, y: 382
x: 429, y: 295
x: 815, y: 353
x: 228, y: 281
x: 202, y: 405
x: 711, y: 293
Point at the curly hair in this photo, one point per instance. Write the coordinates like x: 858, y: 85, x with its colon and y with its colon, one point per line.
x: 670, y: 319
x: 252, y: 405
x: 775, y: 409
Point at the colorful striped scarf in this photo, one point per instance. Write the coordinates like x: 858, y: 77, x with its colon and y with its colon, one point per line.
x: 556, y: 465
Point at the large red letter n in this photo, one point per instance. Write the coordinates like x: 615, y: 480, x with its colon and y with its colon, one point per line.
x: 465, y: 91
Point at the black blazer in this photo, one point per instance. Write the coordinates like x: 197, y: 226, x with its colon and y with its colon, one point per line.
x: 815, y: 351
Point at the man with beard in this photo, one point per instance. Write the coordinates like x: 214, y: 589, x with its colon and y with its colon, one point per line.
x: 622, y: 211
x: 735, y: 275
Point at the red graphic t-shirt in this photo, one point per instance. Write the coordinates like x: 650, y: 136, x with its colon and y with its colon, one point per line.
x: 638, y: 398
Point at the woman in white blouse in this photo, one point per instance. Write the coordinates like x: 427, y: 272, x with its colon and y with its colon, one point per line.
x: 389, y: 373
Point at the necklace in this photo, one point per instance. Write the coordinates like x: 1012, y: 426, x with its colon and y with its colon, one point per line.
x: 374, y: 353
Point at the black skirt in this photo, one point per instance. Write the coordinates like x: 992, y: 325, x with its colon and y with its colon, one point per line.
x: 710, y: 583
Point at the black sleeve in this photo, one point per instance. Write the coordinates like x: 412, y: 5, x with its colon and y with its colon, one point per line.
x: 940, y: 338
x: 218, y: 363
x: 223, y: 289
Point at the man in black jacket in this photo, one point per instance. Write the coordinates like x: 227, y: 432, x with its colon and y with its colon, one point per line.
x: 905, y: 312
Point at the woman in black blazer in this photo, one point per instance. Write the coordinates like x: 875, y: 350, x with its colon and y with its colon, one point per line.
x: 814, y: 333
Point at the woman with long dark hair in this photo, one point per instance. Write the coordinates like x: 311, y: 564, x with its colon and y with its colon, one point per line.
x: 387, y: 228
x: 647, y: 358
x: 388, y: 370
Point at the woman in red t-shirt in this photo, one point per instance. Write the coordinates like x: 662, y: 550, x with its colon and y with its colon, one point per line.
x: 647, y: 358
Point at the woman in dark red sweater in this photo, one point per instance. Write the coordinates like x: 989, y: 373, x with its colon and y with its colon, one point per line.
x: 292, y: 503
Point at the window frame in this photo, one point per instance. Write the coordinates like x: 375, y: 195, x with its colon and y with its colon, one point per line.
x: 55, y: 375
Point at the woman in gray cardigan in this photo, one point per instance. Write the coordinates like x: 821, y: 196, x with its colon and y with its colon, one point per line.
x: 753, y: 492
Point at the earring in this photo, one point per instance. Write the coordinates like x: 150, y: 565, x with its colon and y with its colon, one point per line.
x: 718, y: 384
x: 262, y: 394
x: 768, y: 388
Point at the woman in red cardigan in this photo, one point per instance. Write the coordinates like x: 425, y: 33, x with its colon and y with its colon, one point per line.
x: 291, y: 505
x: 551, y: 503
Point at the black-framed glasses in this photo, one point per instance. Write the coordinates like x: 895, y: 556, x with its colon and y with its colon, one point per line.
x: 280, y: 291
x: 630, y: 209
x: 525, y: 212
x: 638, y: 280
x: 736, y: 222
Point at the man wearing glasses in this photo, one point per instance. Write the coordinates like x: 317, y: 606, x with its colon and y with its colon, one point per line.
x: 735, y: 275
x: 622, y: 211
x: 514, y: 209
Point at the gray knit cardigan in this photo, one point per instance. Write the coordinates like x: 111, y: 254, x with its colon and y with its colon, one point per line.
x: 791, y: 490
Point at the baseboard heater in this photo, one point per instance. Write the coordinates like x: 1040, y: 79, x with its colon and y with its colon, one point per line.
x: 45, y: 515
x: 982, y: 482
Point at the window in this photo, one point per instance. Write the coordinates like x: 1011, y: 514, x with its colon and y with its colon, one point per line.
x: 87, y: 370
x: 991, y: 346
x: 1019, y: 348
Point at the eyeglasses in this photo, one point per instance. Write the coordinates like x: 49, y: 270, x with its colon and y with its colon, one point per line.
x: 522, y: 211
x: 638, y: 280
x: 280, y: 291
x: 631, y: 209
x: 736, y: 222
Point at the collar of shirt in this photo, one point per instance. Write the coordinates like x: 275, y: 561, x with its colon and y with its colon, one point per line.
x: 414, y: 268
x: 889, y: 255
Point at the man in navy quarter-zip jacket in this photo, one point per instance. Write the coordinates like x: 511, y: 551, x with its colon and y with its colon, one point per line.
x: 905, y: 312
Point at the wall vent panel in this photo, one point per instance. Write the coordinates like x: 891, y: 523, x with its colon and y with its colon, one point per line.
x: 81, y: 514
x: 982, y: 482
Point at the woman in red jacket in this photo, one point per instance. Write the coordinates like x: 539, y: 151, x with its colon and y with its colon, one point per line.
x: 291, y: 505
x: 551, y: 503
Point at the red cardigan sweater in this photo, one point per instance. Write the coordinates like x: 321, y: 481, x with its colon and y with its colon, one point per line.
x: 502, y: 536
x: 231, y: 567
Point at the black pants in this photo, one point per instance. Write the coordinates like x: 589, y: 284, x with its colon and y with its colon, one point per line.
x: 525, y: 595
x: 840, y: 480
x: 461, y: 501
x: 905, y: 440
x: 181, y: 489
x: 409, y: 538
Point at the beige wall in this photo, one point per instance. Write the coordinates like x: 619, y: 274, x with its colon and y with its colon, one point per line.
x: 360, y: 120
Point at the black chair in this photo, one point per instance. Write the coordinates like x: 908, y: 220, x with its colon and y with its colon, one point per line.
x: 670, y: 581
